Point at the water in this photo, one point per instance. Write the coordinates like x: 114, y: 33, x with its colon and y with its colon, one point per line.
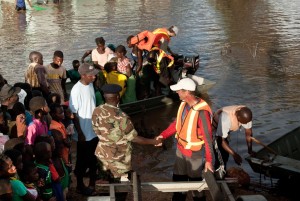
x: 250, y: 48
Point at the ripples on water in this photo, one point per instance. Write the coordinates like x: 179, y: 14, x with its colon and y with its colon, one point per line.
x: 250, y: 48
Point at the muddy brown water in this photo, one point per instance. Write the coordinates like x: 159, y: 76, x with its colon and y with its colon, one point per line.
x: 250, y: 48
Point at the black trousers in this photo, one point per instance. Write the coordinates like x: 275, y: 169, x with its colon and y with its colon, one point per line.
x: 86, y: 159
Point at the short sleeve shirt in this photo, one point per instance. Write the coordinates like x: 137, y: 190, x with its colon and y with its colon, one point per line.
x: 19, y: 190
x: 225, y: 124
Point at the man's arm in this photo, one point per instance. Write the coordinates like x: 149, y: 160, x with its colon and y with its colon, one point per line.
x: 237, y: 158
x: 81, y: 136
x: 142, y: 140
x: 139, y: 61
x: 204, y: 126
x: 248, y: 134
x: 87, y: 53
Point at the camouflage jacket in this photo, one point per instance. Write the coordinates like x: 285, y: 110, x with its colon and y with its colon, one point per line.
x: 115, y: 132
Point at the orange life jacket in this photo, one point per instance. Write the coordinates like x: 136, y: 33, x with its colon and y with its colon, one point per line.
x: 230, y: 110
x: 188, y: 134
x: 161, y: 55
x: 144, y: 40
x: 159, y: 34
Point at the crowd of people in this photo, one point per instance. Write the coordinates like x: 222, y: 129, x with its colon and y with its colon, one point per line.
x: 39, y: 120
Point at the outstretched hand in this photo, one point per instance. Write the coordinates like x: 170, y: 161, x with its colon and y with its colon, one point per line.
x: 159, y: 140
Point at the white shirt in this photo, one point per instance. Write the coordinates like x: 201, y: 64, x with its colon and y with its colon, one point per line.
x: 83, y: 102
x: 225, y: 124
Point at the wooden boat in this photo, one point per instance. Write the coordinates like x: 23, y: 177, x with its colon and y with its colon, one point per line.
x: 280, y: 159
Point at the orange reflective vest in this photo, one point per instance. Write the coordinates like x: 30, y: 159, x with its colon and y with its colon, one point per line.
x: 188, y: 134
x: 144, y: 40
x: 230, y: 110
x: 161, y: 55
x: 159, y: 34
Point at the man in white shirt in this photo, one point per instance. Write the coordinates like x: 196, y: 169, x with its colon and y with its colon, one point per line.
x: 228, y: 119
x: 82, y: 104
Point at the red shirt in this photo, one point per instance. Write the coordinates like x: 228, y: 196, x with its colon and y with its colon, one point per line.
x: 171, y: 130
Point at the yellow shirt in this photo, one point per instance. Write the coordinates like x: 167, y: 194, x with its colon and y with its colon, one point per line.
x: 114, y: 77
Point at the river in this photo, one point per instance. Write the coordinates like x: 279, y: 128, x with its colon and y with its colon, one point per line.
x: 250, y: 48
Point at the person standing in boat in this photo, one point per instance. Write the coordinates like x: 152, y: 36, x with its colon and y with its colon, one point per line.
x: 226, y: 120
x: 193, y: 131
x: 163, y: 37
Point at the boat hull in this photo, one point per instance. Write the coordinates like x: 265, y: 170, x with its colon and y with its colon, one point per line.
x: 285, y: 163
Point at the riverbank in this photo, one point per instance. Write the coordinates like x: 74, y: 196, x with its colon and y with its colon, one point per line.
x: 270, y: 194
x: 149, y: 174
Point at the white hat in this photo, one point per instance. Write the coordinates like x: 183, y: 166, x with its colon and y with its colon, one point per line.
x: 175, y: 30
x: 185, y: 83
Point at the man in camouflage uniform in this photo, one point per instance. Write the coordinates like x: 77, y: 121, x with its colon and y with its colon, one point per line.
x: 115, y: 132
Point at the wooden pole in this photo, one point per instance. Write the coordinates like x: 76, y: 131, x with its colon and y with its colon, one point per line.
x: 265, y: 146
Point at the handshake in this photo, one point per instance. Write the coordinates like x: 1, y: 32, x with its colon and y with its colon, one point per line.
x: 158, y: 141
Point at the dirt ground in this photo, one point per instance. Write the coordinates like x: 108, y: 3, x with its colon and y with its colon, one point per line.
x: 146, y: 175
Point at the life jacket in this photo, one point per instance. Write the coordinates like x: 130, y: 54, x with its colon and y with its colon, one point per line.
x: 188, y: 134
x: 230, y: 110
x: 143, y: 40
x: 159, y: 34
x: 161, y: 55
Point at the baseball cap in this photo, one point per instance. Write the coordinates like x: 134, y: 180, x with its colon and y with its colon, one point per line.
x: 37, y: 103
x: 111, y: 88
x: 175, y: 30
x: 87, y: 69
x: 185, y: 83
x: 8, y: 91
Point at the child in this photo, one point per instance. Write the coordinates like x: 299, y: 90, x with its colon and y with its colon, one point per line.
x: 57, y: 114
x: 16, y: 157
x: 124, y: 65
x: 55, y: 178
x: 39, y: 108
x: 114, y: 77
x: 73, y: 74
x: 35, y: 74
x: 54, y: 98
x: 57, y: 75
x: 43, y: 156
x: 8, y: 170
x: 21, y: 6
x: 59, y: 164
x: 29, y: 175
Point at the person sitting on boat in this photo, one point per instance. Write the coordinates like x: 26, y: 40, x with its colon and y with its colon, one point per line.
x: 102, y: 54
x: 226, y: 120
x: 73, y: 74
x: 124, y: 65
x: 115, y: 77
